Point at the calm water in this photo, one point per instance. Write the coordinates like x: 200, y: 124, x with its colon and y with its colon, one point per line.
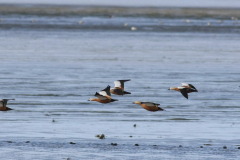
x: 53, y: 65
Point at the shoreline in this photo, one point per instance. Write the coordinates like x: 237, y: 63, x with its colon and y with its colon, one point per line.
x: 41, y: 9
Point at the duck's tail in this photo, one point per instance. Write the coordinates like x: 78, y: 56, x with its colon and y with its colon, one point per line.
x: 8, y: 109
x: 126, y: 92
x: 112, y: 100
x: 160, y: 109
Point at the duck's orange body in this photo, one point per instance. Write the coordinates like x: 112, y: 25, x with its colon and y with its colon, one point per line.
x: 5, y: 108
x: 119, y: 88
x: 188, y: 90
x: 104, y: 96
x: 101, y: 101
x: 149, y: 106
x: 3, y: 105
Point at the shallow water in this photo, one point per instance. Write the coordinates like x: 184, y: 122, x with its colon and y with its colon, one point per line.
x: 54, y: 65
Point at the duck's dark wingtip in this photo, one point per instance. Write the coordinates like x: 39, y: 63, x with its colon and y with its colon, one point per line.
x: 160, y: 109
x: 125, y: 80
x: 125, y: 92
x: 106, y: 89
x: 96, y: 94
x: 112, y: 100
x: 8, y: 109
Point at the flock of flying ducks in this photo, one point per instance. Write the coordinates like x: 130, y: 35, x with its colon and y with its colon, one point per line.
x: 105, y: 96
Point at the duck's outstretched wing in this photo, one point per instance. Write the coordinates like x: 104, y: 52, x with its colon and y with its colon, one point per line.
x: 184, y: 92
x: 117, y: 84
x: 189, y: 86
x: 106, y: 91
x: 120, y: 83
x: 185, y: 85
x: 193, y: 87
x: 100, y: 96
x: 1, y: 103
x: 4, y: 102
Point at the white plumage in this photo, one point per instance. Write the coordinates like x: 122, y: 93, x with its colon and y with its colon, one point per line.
x: 185, y: 84
x: 117, y: 84
x: 103, y: 93
x: 180, y: 87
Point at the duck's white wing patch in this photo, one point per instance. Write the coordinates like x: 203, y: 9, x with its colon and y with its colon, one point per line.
x: 117, y: 84
x: 180, y: 87
x: 103, y: 93
x: 185, y: 84
x: 1, y: 103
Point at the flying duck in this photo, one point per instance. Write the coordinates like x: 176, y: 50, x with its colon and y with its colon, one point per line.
x: 184, y: 89
x: 119, y: 87
x: 150, y: 106
x: 104, y: 96
x: 3, y: 103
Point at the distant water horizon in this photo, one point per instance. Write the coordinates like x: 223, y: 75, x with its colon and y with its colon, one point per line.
x: 103, y: 10
x: 135, y: 3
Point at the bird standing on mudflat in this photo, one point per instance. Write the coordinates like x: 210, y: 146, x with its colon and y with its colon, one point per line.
x: 184, y: 89
x: 104, y: 96
x: 3, y: 104
x: 119, y: 87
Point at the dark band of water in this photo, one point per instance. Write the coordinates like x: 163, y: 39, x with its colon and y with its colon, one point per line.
x: 158, y: 12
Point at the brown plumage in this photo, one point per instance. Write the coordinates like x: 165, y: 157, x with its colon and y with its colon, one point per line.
x: 184, y: 89
x: 3, y: 105
x: 149, y: 106
x: 104, y: 96
x: 119, y: 87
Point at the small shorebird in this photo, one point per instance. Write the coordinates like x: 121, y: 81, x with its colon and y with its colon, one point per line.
x: 119, y: 87
x: 3, y: 103
x: 104, y: 96
x: 150, y: 106
x: 184, y: 89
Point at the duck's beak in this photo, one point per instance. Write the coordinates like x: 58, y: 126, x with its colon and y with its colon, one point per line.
x: 133, y: 103
x: 169, y: 89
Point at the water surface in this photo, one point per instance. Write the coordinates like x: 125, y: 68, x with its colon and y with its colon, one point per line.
x: 53, y: 65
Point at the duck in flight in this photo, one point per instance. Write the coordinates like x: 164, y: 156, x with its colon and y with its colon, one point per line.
x: 184, y: 89
x: 150, y: 106
x: 119, y: 87
x: 104, y: 96
x: 3, y: 104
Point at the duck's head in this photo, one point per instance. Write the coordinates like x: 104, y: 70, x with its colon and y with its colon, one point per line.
x: 172, y: 88
x: 92, y: 99
x: 136, y: 102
